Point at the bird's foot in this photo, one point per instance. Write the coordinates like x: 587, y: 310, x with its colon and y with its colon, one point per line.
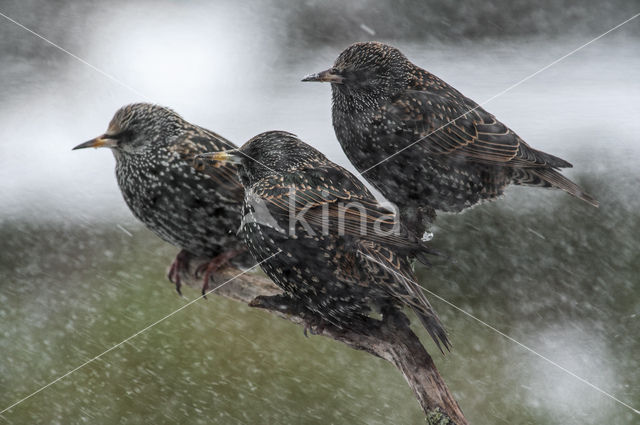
x: 280, y: 302
x: 208, y: 269
x: 180, y: 265
x: 283, y: 303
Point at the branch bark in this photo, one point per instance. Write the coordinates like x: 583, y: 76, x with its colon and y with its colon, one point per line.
x: 391, y: 340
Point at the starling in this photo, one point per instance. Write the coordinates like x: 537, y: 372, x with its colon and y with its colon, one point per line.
x: 199, y: 213
x: 421, y: 142
x: 322, y: 237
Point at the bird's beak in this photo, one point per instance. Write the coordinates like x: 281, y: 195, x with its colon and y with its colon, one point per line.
x: 328, y: 76
x: 104, y: 141
x: 216, y: 159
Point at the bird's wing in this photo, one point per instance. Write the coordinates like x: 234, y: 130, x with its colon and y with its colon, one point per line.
x: 386, y: 266
x: 330, y: 199
x: 447, y: 123
x: 203, y: 141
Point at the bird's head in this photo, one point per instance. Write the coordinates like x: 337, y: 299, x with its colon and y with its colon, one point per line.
x: 367, y: 69
x: 137, y: 127
x: 267, y: 154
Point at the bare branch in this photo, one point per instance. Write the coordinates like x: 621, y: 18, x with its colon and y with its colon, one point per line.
x: 391, y: 340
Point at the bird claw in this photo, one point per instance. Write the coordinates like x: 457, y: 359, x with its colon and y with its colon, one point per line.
x: 285, y: 304
x: 279, y: 302
x: 208, y: 269
x: 180, y: 265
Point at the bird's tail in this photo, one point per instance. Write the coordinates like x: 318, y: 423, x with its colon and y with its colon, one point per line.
x: 558, y: 180
x: 548, y: 177
x: 409, y: 293
x: 422, y: 308
x: 434, y: 327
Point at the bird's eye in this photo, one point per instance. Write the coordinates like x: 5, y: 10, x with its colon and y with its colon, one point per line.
x: 121, y: 136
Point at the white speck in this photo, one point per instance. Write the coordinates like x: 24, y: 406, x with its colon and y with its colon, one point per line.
x: 536, y: 233
x: 128, y: 233
x: 427, y: 236
x: 367, y: 29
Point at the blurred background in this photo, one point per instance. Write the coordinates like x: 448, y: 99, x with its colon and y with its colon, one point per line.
x: 79, y: 274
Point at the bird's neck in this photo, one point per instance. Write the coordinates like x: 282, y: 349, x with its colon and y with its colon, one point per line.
x: 351, y: 102
x: 138, y: 168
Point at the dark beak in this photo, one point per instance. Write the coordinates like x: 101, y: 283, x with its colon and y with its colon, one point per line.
x: 216, y: 159
x: 104, y: 141
x: 328, y: 76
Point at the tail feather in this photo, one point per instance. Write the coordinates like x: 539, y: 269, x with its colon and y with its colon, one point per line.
x: 405, y: 289
x: 428, y: 317
x: 434, y: 327
x: 555, y: 179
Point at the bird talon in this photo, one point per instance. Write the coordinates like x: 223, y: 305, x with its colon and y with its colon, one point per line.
x: 202, y: 268
x: 180, y: 265
x: 207, y: 270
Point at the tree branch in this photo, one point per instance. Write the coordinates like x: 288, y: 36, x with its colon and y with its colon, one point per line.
x: 391, y: 340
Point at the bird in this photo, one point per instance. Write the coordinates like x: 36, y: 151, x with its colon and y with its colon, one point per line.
x: 154, y: 148
x: 424, y: 145
x: 322, y: 237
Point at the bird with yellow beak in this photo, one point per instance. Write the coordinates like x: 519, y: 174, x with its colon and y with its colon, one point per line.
x: 197, y: 212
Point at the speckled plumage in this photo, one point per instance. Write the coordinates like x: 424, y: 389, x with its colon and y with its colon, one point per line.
x: 336, y: 275
x: 382, y: 104
x: 154, y: 149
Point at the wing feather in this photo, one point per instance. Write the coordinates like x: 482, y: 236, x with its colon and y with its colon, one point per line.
x: 201, y: 141
x: 448, y: 126
x: 340, y: 205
